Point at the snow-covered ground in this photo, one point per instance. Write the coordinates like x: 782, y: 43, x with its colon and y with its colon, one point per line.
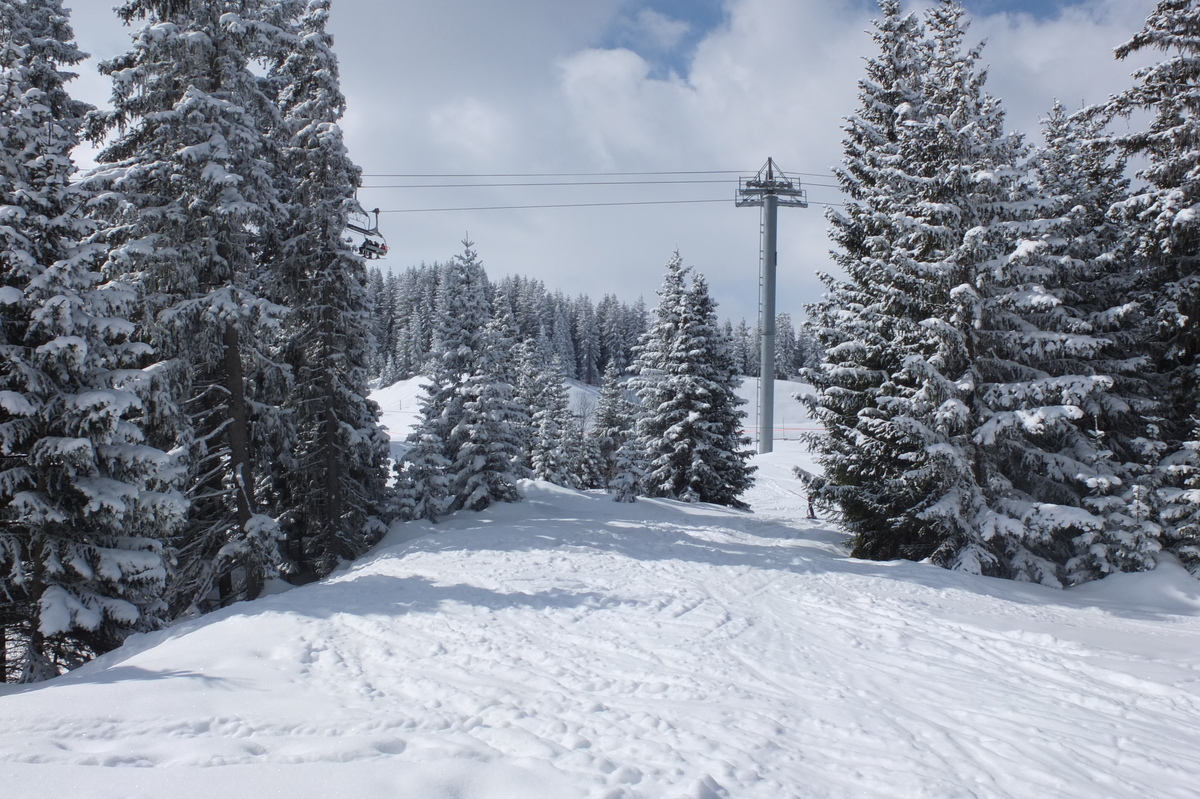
x: 570, y: 646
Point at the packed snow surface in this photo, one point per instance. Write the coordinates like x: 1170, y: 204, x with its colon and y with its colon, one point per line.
x: 570, y: 646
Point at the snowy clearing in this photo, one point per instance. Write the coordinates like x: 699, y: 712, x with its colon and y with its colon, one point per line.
x: 570, y: 646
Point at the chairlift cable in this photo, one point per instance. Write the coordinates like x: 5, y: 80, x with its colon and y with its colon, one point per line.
x: 550, y: 205
x: 567, y: 183
x: 551, y: 174
x: 554, y: 183
x: 571, y: 205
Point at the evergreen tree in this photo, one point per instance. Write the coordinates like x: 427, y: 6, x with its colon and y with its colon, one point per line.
x: 486, y: 444
x: 422, y: 481
x: 560, y: 336
x: 1075, y: 286
x: 785, y: 347
x: 953, y: 419
x: 754, y: 351
x: 80, y: 563
x: 466, y: 444
x: 583, y: 456
x: 875, y: 458
x: 587, y: 346
x: 335, y: 492
x: 379, y: 312
x: 550, y: 418
x: 613, y: 424
x: 690, y: 431
x: 628, y: 471
x: 808, y: 349
x: 1165, y: 239
x: 192, y: 207
x: 745, y: 355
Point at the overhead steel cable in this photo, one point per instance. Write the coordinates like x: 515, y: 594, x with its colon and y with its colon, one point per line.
x: 549, y: 174
x: 550, y: 205
x: 477, y: 180
x: 567, y: 184
x: 565, y: 205
x: 554, y: 183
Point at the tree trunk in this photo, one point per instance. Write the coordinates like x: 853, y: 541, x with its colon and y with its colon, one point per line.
x: 334, y: 494
x: 238, y: 432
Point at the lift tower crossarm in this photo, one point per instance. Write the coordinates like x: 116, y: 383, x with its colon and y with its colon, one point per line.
x: 770, y: 180
x: 769, y: 189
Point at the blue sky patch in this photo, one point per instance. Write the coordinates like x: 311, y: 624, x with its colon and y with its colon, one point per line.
x: 665, y: 32
x: 1039, y: 9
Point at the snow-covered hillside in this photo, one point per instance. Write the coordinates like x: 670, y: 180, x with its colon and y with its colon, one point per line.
x: 570, y: 646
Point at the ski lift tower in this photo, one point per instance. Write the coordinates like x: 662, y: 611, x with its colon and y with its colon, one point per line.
x: 769, y: 189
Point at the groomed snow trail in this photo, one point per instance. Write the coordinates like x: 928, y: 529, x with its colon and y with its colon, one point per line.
x: 570, y: 646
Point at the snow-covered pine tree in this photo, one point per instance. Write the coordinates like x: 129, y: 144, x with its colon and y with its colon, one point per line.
x: 561, y: 335
x: 466, y: 443
x: 583, y: 453
x: 486, y: 442
x: 629, y: 469
x: 953, y: 415
x: 426, y: 472
x: 808, y: 349
x: 866, y: 455
x: 609, y: 319
x: 334, y: 497
x: 192, y: 212
x: 689, y: 432
x: 743, y: 348
x: 1071, y: 328
x: 785, y: 347
x: 587, y: 341
x: 753, y: 351
x: 1165, y: 237
x: 422, y: 480
x: 550, y: 423
x: 613, y: 424
x: 379, y: 311
x: 80, y: 563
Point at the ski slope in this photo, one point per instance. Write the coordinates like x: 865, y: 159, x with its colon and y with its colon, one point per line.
x: 570, y: 646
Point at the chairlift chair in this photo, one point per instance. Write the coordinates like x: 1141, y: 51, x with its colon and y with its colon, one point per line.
x: 374, y: 245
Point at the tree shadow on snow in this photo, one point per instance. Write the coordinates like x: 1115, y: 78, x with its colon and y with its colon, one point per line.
x: 665, y: 530
x: 369, y: 594
x: 99, y: 673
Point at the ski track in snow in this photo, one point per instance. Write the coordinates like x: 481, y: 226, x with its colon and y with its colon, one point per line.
x: 570, y: 646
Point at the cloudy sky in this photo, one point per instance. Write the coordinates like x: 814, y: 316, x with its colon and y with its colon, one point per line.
x: 552, y: 91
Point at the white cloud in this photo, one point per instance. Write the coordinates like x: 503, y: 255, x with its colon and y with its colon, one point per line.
x: 485, y: 87
x: 657, y: 31
x: 1069, y: 58
x: 471, y: 132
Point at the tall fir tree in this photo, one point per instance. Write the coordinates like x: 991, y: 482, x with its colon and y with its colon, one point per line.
x: 486, y: 442
x: 81, y: 566
x: 1165, y: 243
x: 866, y: 456
x: 192, y: 206
x: 785, y: 347
x: 465, y: 446
x: 1077, y: 335
x: 957, y: 384
x: 550, y: 421
x: 587, y: 337
x: 613, y: 424
x: 422, y: 481
x: 689, y: 432
x: 560, y: 329
x: 334, y: 497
